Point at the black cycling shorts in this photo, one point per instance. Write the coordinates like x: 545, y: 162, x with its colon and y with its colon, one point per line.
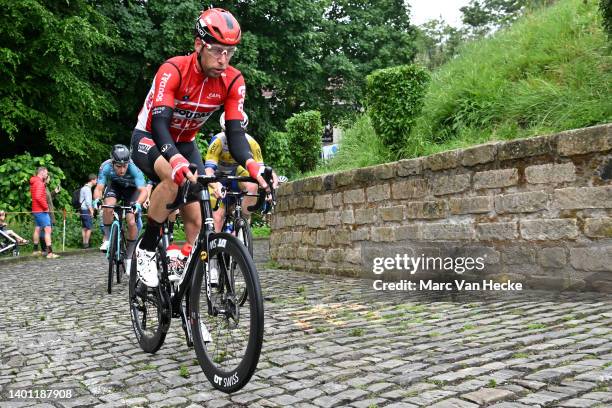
x: 145, y: 152
x: 127, y: 194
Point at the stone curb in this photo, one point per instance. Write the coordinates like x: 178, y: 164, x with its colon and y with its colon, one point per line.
x: 30, y: 257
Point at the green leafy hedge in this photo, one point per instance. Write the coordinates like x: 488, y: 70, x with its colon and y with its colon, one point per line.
x: 15, y: 176
x: 304, y: 131
x: 394, y: 98
x: 278, y: 154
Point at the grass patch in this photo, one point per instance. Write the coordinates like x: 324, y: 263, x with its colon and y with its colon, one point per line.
x: 219, y: 358
x: 520, y: 355
x: 321, y: 329
x: 357, y: 332
x: 467, y: 327
x: 411, y: 308
x: 42, y: 318
x: 301, y: 289
x: 491, y: 384
x: 261, y: 232
x: 272, y: 265
x: 183, y: 372
x: 433, y: 334
x: 601, y: 387
x: 536, y: 326
x: 360, y: 147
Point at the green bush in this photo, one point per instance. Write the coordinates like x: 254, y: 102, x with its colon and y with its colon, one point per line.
x: 305, y: 130
x: 15, y: 176
x: 278, y: 154
x: 394, y: 98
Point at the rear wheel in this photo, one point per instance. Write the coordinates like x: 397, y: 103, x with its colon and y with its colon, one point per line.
x: 150, y: 308
x: 227, y: 338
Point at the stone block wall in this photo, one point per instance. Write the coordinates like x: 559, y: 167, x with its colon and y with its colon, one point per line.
x: 538, y: 210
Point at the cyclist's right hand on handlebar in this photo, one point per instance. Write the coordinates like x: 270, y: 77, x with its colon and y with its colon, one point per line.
x: 180, y: 169
x: 218, y: 190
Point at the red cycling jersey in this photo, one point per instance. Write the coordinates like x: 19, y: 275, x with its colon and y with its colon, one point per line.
x: 180, y: 85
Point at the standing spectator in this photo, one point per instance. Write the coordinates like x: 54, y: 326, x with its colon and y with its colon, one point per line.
x: 87, y: 211
x: 50, y: 196
x: 40, y: 211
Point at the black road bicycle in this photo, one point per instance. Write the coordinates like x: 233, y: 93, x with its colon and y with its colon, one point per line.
x: 116, y: 252
x: 227, y: 337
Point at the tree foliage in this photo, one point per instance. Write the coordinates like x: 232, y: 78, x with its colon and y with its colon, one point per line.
x: 75, y: 73
x: 52, y: 91
x: 437, y: 42
x: 361, y: 36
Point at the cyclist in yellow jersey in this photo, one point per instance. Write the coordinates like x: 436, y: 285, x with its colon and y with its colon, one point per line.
x: 219, y: 158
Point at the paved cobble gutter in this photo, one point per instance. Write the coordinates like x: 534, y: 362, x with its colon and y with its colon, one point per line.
x: 328, y: 342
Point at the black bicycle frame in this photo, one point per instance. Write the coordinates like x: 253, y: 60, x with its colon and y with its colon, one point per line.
x: 208, y: 227
x: 201, y: 243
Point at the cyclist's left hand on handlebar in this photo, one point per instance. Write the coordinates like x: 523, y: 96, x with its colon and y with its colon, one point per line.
x: 218, y: 190
x: 262, y: 183
x: 137, y: 208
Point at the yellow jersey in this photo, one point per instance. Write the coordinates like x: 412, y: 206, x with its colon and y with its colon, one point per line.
x: 218, y: 156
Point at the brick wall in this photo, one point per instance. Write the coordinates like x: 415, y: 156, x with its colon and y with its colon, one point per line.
x: 538, y: 210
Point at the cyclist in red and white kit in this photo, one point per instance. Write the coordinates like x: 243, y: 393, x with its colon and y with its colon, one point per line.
x: 186, y: 91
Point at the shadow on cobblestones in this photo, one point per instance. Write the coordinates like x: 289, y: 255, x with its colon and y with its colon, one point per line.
x: 328, y: 342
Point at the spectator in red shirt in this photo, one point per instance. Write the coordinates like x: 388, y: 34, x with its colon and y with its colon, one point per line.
x: 40, y: 211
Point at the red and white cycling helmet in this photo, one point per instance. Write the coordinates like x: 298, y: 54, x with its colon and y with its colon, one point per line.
x: 218, y: 26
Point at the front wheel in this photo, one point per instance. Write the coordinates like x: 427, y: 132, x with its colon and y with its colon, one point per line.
x: 244, y: 235
x: 121, y: 258
x: 112, y: 257
x: 227, y: 338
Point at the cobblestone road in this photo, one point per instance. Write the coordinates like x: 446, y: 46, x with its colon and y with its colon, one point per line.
x: 328, y: 342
